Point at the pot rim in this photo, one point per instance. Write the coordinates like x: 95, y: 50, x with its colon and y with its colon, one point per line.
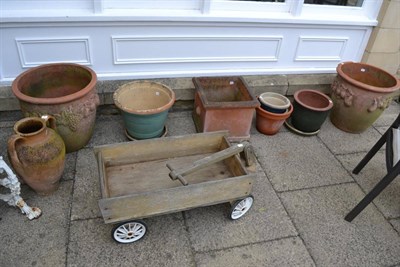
x: 277, y: 116
x: 277, y: 96
x: 53, y: 100
x: 24, y: 120
x: 328, y: 107
x: 367, y: 86
x: 144, y: 111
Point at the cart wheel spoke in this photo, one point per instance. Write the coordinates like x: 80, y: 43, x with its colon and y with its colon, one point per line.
x: 129, y: 232
x: 241, y: 207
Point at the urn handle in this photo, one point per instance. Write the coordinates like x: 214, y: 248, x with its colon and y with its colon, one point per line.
x: 50, y: 121
x: 12, y: 152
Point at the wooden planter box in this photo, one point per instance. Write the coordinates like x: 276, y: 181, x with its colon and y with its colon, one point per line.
x: 135, y: 181
x: 224, y: 103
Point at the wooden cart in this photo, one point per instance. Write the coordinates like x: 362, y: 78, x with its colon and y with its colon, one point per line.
x: 159, y: 176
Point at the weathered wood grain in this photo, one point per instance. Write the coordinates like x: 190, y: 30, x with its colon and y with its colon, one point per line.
x: 135, y: 182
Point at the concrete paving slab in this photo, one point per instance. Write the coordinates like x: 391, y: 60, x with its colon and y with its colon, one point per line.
x: 40, y: 242
x: 389, y: 115
x: 69, y: 169
x: 210, y: 229
x: 381, y: 130
x: 180, y: 123
x: 283, y: 252
x: 86, y: 187
x: 7, y: 99
x: 387, y: 201
x: 396, y: 224
x: 5, y: 133
x: 165, y: 244
x: 294, y: 162
x: 9, y: 118
x: 108, y: 130
x: 318, y: 214
x: 340, y: 142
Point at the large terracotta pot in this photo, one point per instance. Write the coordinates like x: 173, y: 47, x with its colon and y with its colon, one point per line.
x: 360, y: 94
x: 269, y: 123
x: 65, y: 91
x: 144, y: 107
x: 37, y: 153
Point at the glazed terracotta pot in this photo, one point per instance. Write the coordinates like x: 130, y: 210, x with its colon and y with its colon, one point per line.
x: 37, y: 153
x: 65, y: 91
x: 360, y: 94
x: 144, y: 107
x: 274, y: 102
x: 310, y: 110
x: 269, y: 123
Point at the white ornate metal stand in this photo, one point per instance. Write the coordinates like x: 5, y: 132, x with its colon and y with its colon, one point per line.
x: 14, y: 199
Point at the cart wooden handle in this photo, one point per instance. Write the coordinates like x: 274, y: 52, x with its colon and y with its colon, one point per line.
x: 204, y: 162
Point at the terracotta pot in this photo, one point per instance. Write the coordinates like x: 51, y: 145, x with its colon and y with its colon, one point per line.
x: 310, y: 110
x: 360, y: 94
x: 268, y: 122
x: 65, y: 91
x: 224, y: 103
x: 144, y: 107
x: 37, y: 153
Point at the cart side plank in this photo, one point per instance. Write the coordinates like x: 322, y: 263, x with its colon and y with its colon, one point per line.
x: 148, y: 150
x: 176, y: 199
x: 103, y: 178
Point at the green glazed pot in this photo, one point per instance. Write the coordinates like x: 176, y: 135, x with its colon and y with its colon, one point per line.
x: 144, y: 126
x: 310, y: 110
x: 144, y: 107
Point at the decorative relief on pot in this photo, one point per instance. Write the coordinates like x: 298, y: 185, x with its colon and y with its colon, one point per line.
x: 343, y: 92
x: 380, y: 102
x: 72, y: 115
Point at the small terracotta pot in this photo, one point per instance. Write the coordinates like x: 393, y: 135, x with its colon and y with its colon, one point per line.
x: 311, y: 108
x: 144, y: 107
x: 65, y: 91
x: 37, y: 154
x: 269, y: 123
x: 360, y: 94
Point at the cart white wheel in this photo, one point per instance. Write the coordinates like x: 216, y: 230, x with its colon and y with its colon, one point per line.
x: 241, y: 207
x: 129, y: 232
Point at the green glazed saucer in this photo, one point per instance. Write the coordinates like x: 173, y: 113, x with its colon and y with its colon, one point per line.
x: 164, y: 133
x: 288, y: 124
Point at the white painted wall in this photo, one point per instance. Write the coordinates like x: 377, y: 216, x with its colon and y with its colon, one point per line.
x: 196, y: 38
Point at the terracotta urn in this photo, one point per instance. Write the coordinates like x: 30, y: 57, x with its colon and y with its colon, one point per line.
x: 65, y: 91
x: 37, y: 153
x: 269, y: 123
x: 360, y: 94
x: 310, y: 110
x: 144, y: 106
